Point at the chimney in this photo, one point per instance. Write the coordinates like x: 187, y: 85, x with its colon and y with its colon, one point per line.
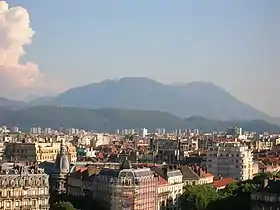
x: 194, y: 169
x: 165, y: 169
x: 198, y: 171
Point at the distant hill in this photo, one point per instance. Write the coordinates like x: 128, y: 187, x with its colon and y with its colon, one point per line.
x: 112, y: 119
x: 183, y: 100
x: 11, y: 104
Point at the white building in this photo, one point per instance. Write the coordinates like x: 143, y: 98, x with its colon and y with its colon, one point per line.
x: 170, y: 186
x: 189, y: 145
x: 48, y: 131
x: 230, y: 159
x: 143, y: 132
x: 15, y: 129
x: 160, y: 131
x: 36, y: 130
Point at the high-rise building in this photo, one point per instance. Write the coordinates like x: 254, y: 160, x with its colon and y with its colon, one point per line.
x: 47, y: 131
x: 230, y: 159
x: 160, y: 131
x: 15, y: 129
x: 36, y: 130
x: 238, y: 131
x: 143, y: 132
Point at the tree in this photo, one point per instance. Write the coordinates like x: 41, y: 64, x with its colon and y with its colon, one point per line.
x: 198, y: 197
x: 234, y: 196
x: 62, y: 206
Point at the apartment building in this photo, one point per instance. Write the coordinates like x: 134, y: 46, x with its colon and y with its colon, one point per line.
x: 230, y: 159
x: 189, y: 145
x: 267, y: 198
x: 23, y: 187
x: 196, y: 175
x: 37, y: 151
x: 126, y: 188
x: 168, y: 195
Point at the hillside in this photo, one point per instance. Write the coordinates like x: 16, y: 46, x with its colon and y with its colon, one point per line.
x: 11, y: 104
x: 183, y: 100
x: 112, y: 119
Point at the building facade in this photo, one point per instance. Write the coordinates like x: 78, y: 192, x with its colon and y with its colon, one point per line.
x: 126, y: 188
x: 169, y: 195
x: 23, y: 187
x: 230, y: 159
x: 37, y: 151
x: 267, y: 198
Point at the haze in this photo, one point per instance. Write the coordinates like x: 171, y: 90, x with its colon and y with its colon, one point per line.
x: 234, y: 44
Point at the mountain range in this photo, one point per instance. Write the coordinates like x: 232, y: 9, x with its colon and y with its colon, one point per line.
x: 112, y: 119
x: 202, y: 99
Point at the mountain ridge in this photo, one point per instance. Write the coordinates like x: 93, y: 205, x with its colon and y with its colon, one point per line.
x: 108, y: 120
x: 183, y: 100
x: 194, y: 98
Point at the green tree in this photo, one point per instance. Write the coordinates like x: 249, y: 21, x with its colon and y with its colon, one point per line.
x: 234, y: 196
x: 62, y: 206
x: 198, y: 197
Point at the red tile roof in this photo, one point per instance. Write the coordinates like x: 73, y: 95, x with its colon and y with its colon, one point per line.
x: 223, y: 182
x: 162, y: 181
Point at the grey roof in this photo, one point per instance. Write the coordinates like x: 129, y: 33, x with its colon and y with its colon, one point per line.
x: 109, y: 172
x: 188, y: 173
x: 174, y: 173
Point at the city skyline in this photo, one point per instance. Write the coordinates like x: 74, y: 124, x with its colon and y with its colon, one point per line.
x: 232, y: 44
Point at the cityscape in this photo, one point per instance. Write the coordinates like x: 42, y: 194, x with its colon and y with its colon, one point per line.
x: 133, y: 168
x: 139, y: 105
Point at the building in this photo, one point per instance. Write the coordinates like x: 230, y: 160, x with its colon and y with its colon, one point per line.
x: 37, y: 151
x: 268, y: 198
x: 169, y: 195
x: 23, y: 187
x: 165, y: 150
x: 143, y: 132
x: 160, y: 131
x: 15, y: 129
x: 79, y: 182
x: 230, y: 159
x: 126, y: 188
x: 60, y: 171
x: 189, y: 145
x: 196, y: 175
x: 48, y: 131
x: 36, y: 130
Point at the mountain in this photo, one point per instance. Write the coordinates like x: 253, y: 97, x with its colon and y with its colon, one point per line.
x: 40, y: 101
x: 11, y: 104
x: 183, y: 100
x: 112, y: 119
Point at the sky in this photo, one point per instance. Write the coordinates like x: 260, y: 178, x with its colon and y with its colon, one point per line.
x: 234, y: 44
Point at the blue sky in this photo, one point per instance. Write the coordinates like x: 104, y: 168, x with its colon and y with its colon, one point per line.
x: 234, y: 44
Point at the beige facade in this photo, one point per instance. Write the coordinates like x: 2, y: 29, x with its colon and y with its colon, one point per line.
x: 126, y: 188
x: 23, y: 188
x: 37, y: 151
